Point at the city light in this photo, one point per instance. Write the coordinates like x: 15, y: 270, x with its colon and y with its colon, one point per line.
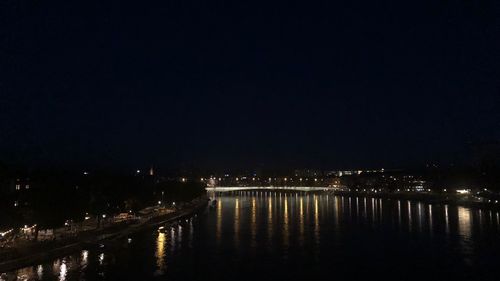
x: 3, y: 234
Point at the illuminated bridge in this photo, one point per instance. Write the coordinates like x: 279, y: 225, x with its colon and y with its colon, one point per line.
x: 295, y: 188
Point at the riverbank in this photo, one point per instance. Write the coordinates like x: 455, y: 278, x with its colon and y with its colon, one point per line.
x: 41, y: 252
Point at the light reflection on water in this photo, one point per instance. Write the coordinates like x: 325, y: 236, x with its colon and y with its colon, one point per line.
x: 289, y: 226
x: 237, y: 222
x: 160, y: 252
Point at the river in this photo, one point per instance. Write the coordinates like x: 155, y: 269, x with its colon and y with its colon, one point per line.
x: 267, y: 235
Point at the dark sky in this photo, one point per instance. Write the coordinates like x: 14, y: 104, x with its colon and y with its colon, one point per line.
x: 332, y: 84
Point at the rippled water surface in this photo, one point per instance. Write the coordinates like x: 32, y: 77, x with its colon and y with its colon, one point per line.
x: 291, y: 236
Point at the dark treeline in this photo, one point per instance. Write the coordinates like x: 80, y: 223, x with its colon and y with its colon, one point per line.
x: 57, y: 196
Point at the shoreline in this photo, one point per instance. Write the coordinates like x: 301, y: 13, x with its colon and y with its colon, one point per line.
x: 70, y: 247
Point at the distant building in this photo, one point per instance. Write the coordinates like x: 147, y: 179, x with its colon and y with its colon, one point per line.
x: 308, y: 173
x: 19, y: 185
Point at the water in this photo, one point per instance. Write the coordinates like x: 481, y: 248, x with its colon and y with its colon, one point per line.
x: 298, y: 236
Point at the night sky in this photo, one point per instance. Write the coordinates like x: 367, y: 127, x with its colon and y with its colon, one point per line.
x: 330, y: 84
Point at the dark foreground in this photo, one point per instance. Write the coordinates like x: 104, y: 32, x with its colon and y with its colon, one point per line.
x: 292, y: 236
x: 111, y: 235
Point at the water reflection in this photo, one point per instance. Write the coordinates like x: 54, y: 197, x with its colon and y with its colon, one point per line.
x: 447, y: 219
x: 336, y: 211
x: 399, y: 213
x: 431, y: 229
x: 286, y: 230
x: 270, y: 219
x: 301, y: 220
x: 410, y: 221
x: 219, y: 221
x: 419, y: 216
x: 316, y: 220
x: 373, y: 210
x: 236, y: 222
x: 294, y: 226
x: 253, y: 226
x: 464, y: 222
x: 160, y: 252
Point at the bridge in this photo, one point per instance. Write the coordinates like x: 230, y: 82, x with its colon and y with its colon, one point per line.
x: 292, y: 188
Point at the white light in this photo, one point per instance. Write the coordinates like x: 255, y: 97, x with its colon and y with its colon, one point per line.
x: 63, y: 271
x: 2, y: 234
x: 85, y: 255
